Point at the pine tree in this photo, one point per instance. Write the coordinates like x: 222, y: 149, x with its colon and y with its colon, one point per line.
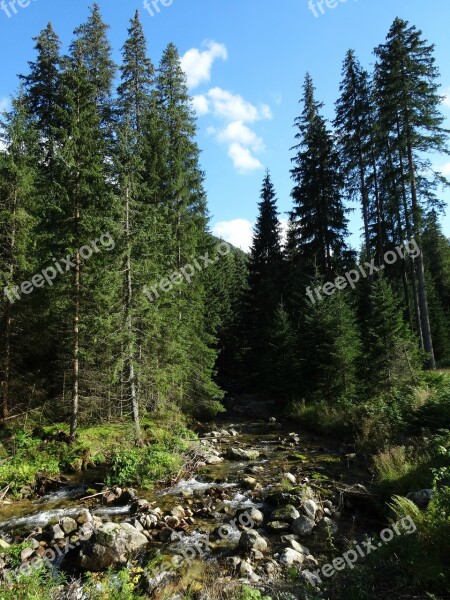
x: 134, y: 99
x: 17, y: 225
x: 265, y: 272
x: 390, y: 353
x: 96, y: 55
x: 329, y: 348
x: 188, y: 347
x: 407, y: 93
x: 356, y: 139
x: 318, y: 211
x: 87, y: 212
x: 281, y: 357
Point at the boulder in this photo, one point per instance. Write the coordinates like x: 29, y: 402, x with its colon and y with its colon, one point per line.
x: 302, y: 526
x: 234, y: 453
x: 113, y: 543
x: 251, y: 540
x: 290, y: 557
x: 299, y: 547
x: 286, y: 514
x: 310, y: 508
x: 248, y: 482
x: 253, y: 515
x: 68, y: 525
x: 420, y: 498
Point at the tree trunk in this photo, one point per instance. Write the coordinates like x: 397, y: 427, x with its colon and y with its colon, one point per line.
x: 130, y: 370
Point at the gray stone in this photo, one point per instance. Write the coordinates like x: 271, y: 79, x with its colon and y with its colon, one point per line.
x: 290, y: 557
x: 251, y: 540
x: 299, y: 547
x: 278, y: 526
x: 57, y: 532
x: 302, y: 526
x: 235, y: 453
x: 421, y: 498
x: 310, y: 509
x: 286, y: 514
x: 112, y: 544
x: 68, y: 525
x: 249, y: 517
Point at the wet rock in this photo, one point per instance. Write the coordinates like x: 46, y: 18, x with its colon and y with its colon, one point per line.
x: 248, y: 483
x: 211, y: 459
x: 235, y: 453
x: 86, y: 531
x: 251, y: 540
x: 286, y: 514
x: 290, y: 557
x: 253, y: 470
x: 112, y: 544
x: 84, y: 517
x: 302, y: 526
x: 140, y: 505
x: 244, y: 515
x: 420, y: 498
x: 172, y: 522
x: 56, y: 532
x: 68, y: 525
x: 178, y: 511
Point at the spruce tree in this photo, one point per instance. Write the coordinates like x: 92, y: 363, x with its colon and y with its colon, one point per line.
x: 17, y: 229
x: 138, y: 214
x: 318, y: 212
x: 265, y: 270
x: 410, y: 115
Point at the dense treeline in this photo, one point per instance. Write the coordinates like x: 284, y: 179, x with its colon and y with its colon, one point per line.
x: 101, y: 198
x: 318, y: 326
x: 102, y: 204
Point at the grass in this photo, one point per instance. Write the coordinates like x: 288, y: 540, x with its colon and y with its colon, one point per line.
x: 28, y: 453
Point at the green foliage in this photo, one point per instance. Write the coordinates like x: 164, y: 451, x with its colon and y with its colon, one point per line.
x: 248, y: 593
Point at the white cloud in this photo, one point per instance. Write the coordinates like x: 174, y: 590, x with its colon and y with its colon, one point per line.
x: 446, y: 100
x: 198, y: 64
x: 243, y: 159
x: 201, y: 105
x: 238, y: 232
x: 234, y: 108
x: 241, y: 134
x: 444, y: 169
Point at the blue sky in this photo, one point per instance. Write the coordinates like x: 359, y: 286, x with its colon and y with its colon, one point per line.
x: 245, y: 61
